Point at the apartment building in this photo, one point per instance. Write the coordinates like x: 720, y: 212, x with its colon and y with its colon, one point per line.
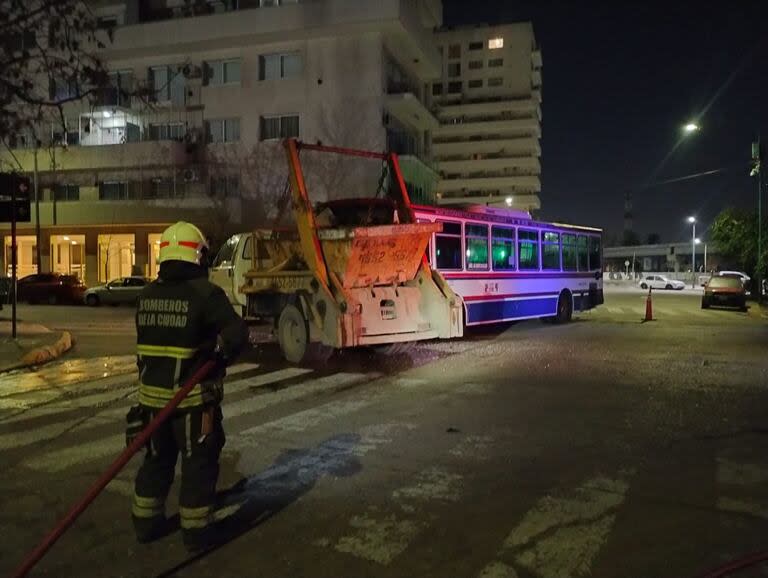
x: 226, y: 80
x: 488, y: 103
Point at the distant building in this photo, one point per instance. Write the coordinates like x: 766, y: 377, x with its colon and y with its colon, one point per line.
x: 226, y: 80
x: 488, y: 103
x: 665, y: 257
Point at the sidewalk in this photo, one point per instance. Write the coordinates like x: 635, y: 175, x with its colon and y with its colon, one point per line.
x: 34, y: 345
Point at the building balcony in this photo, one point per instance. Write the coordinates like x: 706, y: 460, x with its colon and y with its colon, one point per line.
x: 514, y: 184
x: 400, y: 23
x: 467, y: 148
x: 536, y: 59
x: 521, y: 127
x: 406, y: 107
x: 479, y: 109
x: 520, y: 201
x: 146, y: 155
x: 529, y: 165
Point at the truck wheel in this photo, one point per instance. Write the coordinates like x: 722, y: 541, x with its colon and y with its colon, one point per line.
x: 293, y: 334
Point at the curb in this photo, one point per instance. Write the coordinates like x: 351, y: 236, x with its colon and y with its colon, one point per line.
x: 44, y: 354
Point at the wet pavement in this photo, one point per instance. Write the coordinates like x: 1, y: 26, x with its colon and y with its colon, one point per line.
x: 604, y: 448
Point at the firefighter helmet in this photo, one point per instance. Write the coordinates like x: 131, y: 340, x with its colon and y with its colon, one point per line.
x: 183, y: 242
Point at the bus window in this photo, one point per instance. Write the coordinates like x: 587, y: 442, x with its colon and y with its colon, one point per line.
x: 581, y: 242
x: 595, y: 261
x: 528, y: 249
x: 503, y: 248
x: 448, y: 246
x: 550, y: 251
x: 570, y: 254
x: 477, y: 246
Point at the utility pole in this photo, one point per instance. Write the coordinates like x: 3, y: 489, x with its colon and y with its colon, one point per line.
x: 757, y: 171
x: 38, y: 244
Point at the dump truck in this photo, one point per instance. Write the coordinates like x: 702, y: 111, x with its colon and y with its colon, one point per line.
x: 351, y: 273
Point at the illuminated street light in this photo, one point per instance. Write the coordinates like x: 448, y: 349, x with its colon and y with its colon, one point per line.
x: 691, y: 127
x: 697, y: 241
x: 508, y: 200
x: 692, y: 221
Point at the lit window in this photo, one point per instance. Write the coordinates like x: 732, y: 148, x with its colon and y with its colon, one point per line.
x: 495, y: 43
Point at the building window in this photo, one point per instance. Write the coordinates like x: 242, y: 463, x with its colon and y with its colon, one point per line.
x: 167, y: 84
x: 274, y: 127
x: 220, y: 72
x: 276, y: 66
x: 475, y: 45
x: 528, y: 249
x: 223, y: 130
x: 161, y: 189
x: 437, y: 89
x: 495, y: 43
x: 503, y: 248
x: 114, y: 191
x: 448, y: 247
x: 495, y: 62
x: 454, y: 69
x: 454, y: 87
x: 22, y: 140
x: 454, y: 51
x: 475, y: 64
x: 167, y: 131
x: 66, y: 193
x: 550, y: 251
x: 60, y: 89
x: 476, y: 83
x: 496, y: 81
x: 476, y: 239
x: 227, y: 186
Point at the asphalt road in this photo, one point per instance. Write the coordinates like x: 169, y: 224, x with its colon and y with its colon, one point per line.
x: 605, y: 447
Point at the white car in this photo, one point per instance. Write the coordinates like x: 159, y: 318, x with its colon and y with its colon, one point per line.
x: 660, y: 282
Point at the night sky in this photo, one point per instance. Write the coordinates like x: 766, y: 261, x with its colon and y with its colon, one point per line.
x: 619, y: 80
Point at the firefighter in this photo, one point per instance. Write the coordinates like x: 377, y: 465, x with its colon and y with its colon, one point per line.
x: 182, y: 320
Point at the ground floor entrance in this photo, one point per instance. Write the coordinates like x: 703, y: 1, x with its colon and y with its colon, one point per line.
x: 94, y: 254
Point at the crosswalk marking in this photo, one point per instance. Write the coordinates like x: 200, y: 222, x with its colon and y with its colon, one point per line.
x: 561, y: 536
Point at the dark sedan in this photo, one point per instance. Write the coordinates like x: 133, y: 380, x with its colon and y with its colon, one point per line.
x: 724, y: 291
x: 51, y: 288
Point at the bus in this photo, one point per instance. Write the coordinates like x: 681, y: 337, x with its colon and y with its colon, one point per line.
x: 507, y: 266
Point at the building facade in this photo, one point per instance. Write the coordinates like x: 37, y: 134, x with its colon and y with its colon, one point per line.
x: 200, y: 95
x: 488, y: 104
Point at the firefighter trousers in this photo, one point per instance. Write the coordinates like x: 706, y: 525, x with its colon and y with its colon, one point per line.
x: 180, y: 434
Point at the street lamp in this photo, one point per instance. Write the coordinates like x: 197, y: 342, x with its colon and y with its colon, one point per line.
x: 508, y: 201
x: 692, y: 221
x: 698, y: 242
x: 691, y: 127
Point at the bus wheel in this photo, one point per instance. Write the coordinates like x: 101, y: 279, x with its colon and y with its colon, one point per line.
x: 293, y: 334
x: 564, y: 308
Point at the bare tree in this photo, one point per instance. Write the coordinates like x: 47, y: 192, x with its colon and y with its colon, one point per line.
x: 47, y: 59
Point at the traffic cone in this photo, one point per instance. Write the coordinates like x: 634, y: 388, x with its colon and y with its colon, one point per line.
x: 648, y: 307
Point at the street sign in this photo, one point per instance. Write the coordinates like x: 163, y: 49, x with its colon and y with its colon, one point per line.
x: 22, y: 186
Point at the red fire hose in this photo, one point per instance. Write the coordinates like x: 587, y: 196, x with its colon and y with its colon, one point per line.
x: 138, y: 443
x: 740, y: 564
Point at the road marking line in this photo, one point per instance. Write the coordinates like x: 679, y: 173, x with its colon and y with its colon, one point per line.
x: 561, y: 536
x: 432, y: 484
x: 58, y: 460
x: 498, y: 570
x: 381, y: 540
x: 741, y: 506
x: 264, y: 379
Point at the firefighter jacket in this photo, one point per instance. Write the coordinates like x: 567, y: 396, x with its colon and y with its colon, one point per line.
x: 180, y: 319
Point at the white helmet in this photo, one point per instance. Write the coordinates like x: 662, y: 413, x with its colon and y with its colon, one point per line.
x: 183, y: 242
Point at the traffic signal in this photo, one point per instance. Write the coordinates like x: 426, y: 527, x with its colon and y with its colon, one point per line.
x: 10, y: 182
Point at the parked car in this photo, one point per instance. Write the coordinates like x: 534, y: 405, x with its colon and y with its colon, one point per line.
x: 660, y: 282
x: 124, y: 290
x: 51, y: 288
x: 722, y: 290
